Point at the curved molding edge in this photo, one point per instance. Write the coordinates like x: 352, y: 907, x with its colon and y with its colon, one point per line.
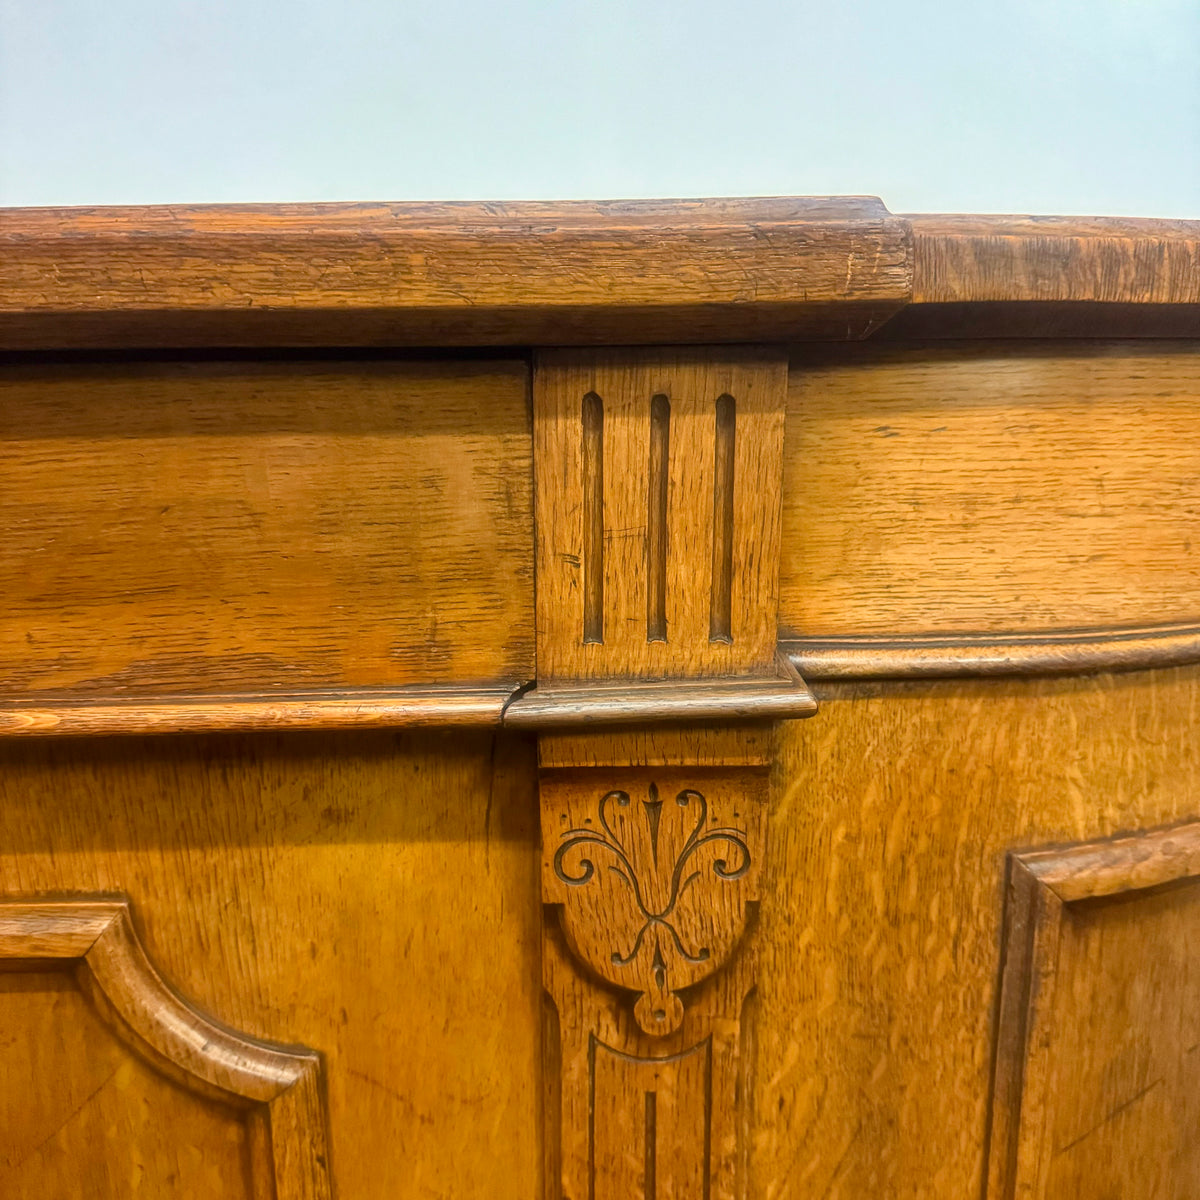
x: 1054, y: 652
x: 242, y: 714
x: 111, y: 966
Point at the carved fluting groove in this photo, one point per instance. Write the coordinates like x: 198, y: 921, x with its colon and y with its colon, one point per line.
x: 654, y: 882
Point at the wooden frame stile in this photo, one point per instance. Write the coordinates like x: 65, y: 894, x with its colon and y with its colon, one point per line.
x: 657, y: 555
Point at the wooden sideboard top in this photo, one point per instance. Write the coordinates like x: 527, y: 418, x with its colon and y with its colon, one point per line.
x: 625, y: 272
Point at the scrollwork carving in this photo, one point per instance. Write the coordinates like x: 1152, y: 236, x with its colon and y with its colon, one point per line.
x: 654, y: 889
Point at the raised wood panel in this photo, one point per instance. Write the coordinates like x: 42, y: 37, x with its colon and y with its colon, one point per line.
x: 879, y: 929
x: 271, y: 526
x: 76, y: 1105
x: 991, y: 487
x: 1097, y: 1083
x: 279, y: 1089
x: 372, y: 896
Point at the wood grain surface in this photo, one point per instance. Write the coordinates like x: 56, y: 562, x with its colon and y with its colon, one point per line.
x: 651, y: 865
x: 1097, y: 1071
x: 450, y: 274
x: 372, y: 896
x: 78, y: 1106
x: 716, y: 556
x: 281, y: 1085
x: 253, y: 527
x: 880, y: 924
x: 1054, y: 652
x: 1026, y: 258
x: 996, y: 487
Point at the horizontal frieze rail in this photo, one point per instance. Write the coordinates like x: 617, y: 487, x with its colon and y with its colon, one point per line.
x: 786, y: 696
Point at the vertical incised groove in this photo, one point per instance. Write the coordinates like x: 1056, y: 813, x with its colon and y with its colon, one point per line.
x: 720, y: 626
x: 656, y: 520
x: 593, y: 518
x: 651, y: 1173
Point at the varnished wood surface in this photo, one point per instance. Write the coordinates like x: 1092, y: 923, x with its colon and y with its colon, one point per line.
x: 253, y: 527
x: 716, y: 487
x: 1097, y: 1071
x: 1027, y: 258
x: 450, y: 274
x: 371, y: 896
x: 822, y: 999
x: 1055, y: 652
x: 623, y: 704
x: 991, y: 488
x: 652, y: 855
x: 880, y: 925
x: 399, y: 707
x: 622, y: 272
x: 83, y: 1116
x: 114, y: 972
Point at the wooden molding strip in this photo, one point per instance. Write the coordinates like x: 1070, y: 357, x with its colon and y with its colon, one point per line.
x: 451, y: 274
x: 627, y: 272
x: 774, y: 698
x: 781, y: 697
x: 234, y: 714
x: 1055, y: 652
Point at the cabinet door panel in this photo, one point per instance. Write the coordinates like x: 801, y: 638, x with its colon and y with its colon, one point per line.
x: 373, y: 897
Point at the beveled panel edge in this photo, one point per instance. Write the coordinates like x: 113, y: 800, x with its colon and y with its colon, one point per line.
x: 1041, y: 886
x: 1113, y: 866
x: 96, y: 935
x: 1050, y: 652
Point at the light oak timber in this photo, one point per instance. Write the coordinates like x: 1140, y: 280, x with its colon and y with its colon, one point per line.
x: 653, y: 847
x: 657, y: 515
x: 255, y: 527
x: 670, y: 945
x: 1059, y: 652
x: 371, y: 895
x: 399, y: 708
x: 878, y: 934
x: 451, y: 274
x: 112, y: 969
x: 713, y: 567
x: 1033, y: 258
x: 994, y: 487
x: 1053, y: 652
x: 1097, y: 1067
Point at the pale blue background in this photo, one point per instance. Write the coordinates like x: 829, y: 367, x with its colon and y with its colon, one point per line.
x: 1071, y: 106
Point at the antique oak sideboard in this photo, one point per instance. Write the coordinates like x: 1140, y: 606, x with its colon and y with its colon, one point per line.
x: 599, y: 701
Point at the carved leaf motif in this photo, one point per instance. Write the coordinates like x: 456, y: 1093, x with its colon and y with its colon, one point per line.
x: 653, y: 892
